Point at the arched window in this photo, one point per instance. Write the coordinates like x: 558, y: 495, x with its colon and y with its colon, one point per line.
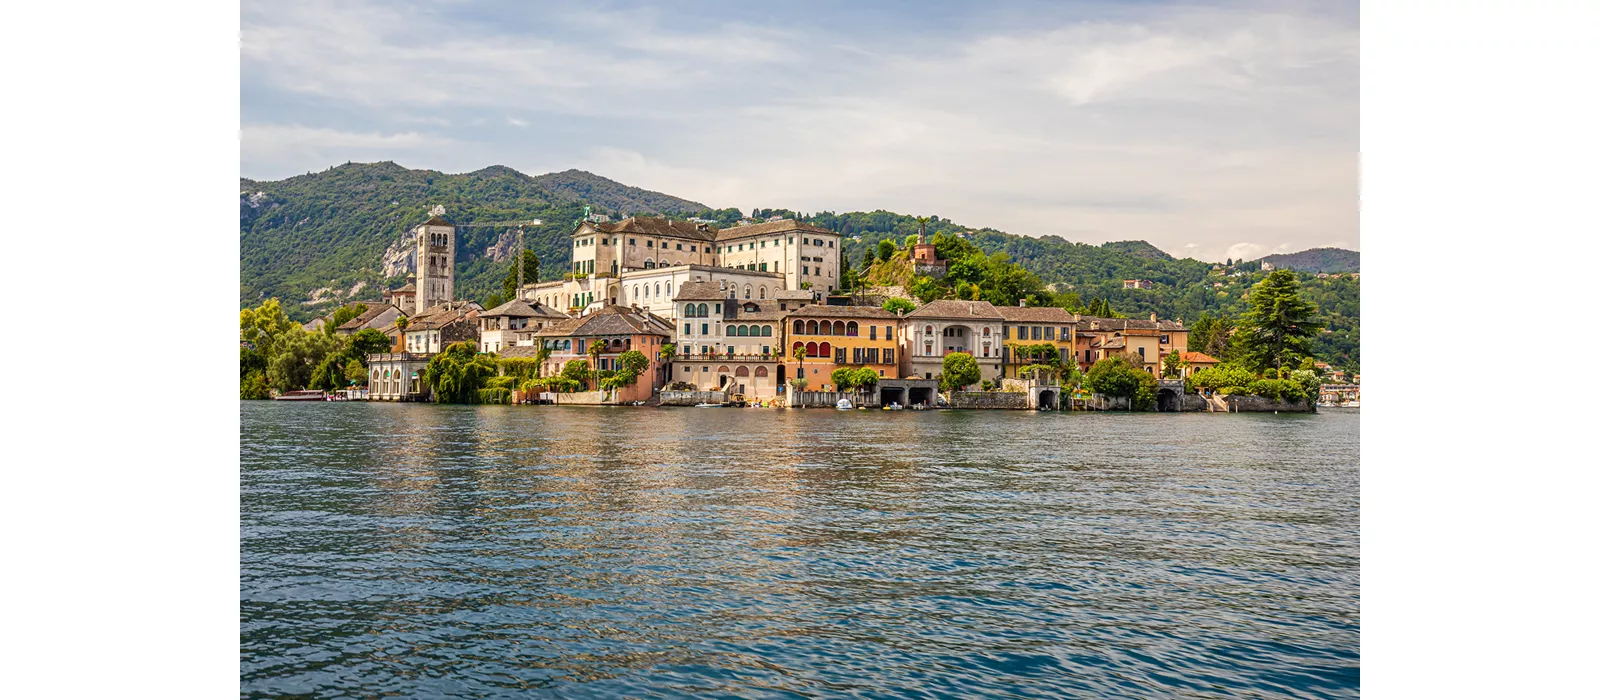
x: 703, y: 311
x: 799, y: 327
x: 658, y: 289
x: 766, y: 331
x: 826, y: 350
x: 747, y: 291
x: 811, y: 349
x: 385, y: 373
x: 763, y: 292
x: 722, y: 370
x: 636, y: 292
x: 649, y: 264
x: 928, y: 330
x: 811, y: 328
x: 743, y: 371
x: 744, y: 330
x: 799, y: 345
x: 985, y: 331
x: 669, y: 288
x: 838, y: 327
x: 761, y: 371
x: 852, y: 329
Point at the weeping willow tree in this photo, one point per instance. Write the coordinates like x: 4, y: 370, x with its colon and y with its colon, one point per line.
x: 456, y: 375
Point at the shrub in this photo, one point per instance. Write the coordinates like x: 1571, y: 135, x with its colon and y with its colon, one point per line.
x: 1276, y: 389
x: 1223, y: 375
x: 501, y: 383
x: 844, y: 379
x: 496, y: 395
x: 959, y: 371
x: 897, y: 305
x: 682, y: 386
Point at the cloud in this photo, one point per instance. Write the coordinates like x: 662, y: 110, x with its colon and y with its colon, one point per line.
x: 1206, y: 126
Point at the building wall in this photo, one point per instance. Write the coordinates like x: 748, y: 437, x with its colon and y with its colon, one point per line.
x: 880, y: 334
x: 1014, y: 334
x: 926, y: 344
x: 801, y: 256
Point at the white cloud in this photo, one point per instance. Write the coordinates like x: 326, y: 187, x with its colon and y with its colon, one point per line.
x: 305, y: 146
x: 1198, y: 129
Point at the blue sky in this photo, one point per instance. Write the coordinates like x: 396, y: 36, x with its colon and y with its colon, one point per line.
x: 1209, y: 129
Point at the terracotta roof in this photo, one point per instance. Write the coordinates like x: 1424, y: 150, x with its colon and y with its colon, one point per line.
x: 794, y: 295
x: 823, y: 310
x: 766, y: 310
x: 1095, y: 323
x: 956, y: 308
x: 1197, y: 357
x: 374, y: 310
x: 409, y: 288
x: 769, y: 228
x: 1111, y: 343
x: 437, y: 221
x: 656, y: 226
x: 1035, y: 314
x: 609, y: 320
x: 528, y: 351
x: 515, y: 308
x: 697, y: 291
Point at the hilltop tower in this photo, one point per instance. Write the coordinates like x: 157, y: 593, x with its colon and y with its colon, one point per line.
x: 436, y: 261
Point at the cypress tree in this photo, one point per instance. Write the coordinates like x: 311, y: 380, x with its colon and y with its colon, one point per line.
x: 1280, y: 324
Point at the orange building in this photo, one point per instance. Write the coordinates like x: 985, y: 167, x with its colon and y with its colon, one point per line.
x: 841, y: 336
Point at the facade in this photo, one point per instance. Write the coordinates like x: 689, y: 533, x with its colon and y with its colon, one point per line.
x: 1150, y: 341
x: 404, y: 298
x: 1196, y: 361
x: 727, y: 344
x: 396, y: 376
x: 513, y: 323
x: 1035, y: 325
x: 948, y: 326
x: 436, y: 262
x: 652, y: 290
x: 619, y: 329
x: 803, y: 254
x: 1137, y: 284
x: 841, y: 336
x: 435, y: 329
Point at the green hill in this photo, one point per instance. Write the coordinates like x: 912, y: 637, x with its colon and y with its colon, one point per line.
x: 1329, y: 260
x: 329, y: 230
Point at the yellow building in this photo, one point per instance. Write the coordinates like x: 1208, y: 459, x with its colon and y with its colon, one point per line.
x: 841, y: 336
x: 1151, y: 341
x: 1031, y: 326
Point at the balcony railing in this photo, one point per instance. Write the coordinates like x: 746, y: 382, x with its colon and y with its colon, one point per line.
x: 707, y: 357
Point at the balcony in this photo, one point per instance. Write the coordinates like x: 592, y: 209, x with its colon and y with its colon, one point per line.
x: 725, y: 356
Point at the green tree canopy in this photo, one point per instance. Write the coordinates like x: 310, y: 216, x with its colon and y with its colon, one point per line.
x: 1279, y: 327
x: 457, y: 374
x: 959, y: 371
x: 844, y: 379
x: 530, y: 275
x: 897, y: 305
x: 885, y: 249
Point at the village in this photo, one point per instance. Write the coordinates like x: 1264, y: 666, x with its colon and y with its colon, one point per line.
x: 662, y: 311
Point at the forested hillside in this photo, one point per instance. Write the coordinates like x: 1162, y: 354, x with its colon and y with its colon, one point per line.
x: 1330, y: 260
x: 328, y: 231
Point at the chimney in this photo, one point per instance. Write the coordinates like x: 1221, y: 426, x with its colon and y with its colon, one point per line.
x: 1152, y: 315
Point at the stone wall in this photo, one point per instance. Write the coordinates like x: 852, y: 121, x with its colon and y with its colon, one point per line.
x: 830, y: 399
x: 1002, y: 400
x: 1262, y: 404
x: 692, y: 398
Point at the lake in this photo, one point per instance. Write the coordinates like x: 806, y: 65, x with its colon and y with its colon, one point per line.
x: 415, y: 550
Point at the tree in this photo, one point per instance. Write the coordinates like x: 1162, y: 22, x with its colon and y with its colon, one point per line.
x: 595, y: 348
x: 1279, y: 326
x: 1119, y: 376
x: 885, y: 249
x: 865, y: 378
x: 633, y: 362
x: 575, y: 371
x: 910, y: 241
x: 456, y: 375
x: 896, y: 305
x: 844, y: 379
x: 530, y: 274
x: 341, y: 315
x: 866, y: 259
x: 667, y: 352
x: 368, y: 341
x: 1171, y: 365
x: 298, y: 354
x: 959, y: 371
x: 263, y: 326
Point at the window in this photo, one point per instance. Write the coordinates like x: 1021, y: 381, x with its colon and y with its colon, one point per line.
x: 763, y: 244
x: 688, y: 329
x: 830, y: 244
x: 680, y: 246
x: 872, y: 332
x: 649, y: 244
x: 1035, y: 333
x: 633, y: 241
x: 806, y: 269
x: 1141, y: 353
x: 766, y: 332
x: 719, y: 308
x: 763, y: 269
x: 692, y: 249
x: 888, y: 332
x: 1049, y: 333
x: 705, y: 329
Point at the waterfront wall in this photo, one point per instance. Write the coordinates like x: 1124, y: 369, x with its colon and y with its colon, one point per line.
x: 692, y: 398
x: 829, y: 399
x: 998, y: 400
x: 1262, y: 404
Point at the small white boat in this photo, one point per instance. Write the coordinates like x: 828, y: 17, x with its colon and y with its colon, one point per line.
x: 305, y: 395
x: 708, y: 405
x: 844, y: 405
x: 894, y: 406
x: 1351, y: 404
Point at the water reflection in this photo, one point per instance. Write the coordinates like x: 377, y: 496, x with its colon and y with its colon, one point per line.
x: 488, y: 551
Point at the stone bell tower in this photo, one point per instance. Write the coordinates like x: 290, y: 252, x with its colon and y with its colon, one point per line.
x: 436, y: 260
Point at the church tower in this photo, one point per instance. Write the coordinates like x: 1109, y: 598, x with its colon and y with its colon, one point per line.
x: 436, y: 261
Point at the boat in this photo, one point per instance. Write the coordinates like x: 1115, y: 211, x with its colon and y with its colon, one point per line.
x: 844, y: 405
x: 708, y: 405
x: 894, y: 406
x: 303, y: 395
x: 1351, y: 404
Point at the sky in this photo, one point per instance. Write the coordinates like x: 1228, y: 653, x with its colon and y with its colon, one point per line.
x: 1212, y: 130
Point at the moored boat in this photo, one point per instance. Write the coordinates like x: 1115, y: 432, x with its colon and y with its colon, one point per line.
x: 303, y: 395
x: 844, y: 405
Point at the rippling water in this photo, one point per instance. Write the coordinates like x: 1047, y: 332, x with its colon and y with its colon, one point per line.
x: 423, y: 551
